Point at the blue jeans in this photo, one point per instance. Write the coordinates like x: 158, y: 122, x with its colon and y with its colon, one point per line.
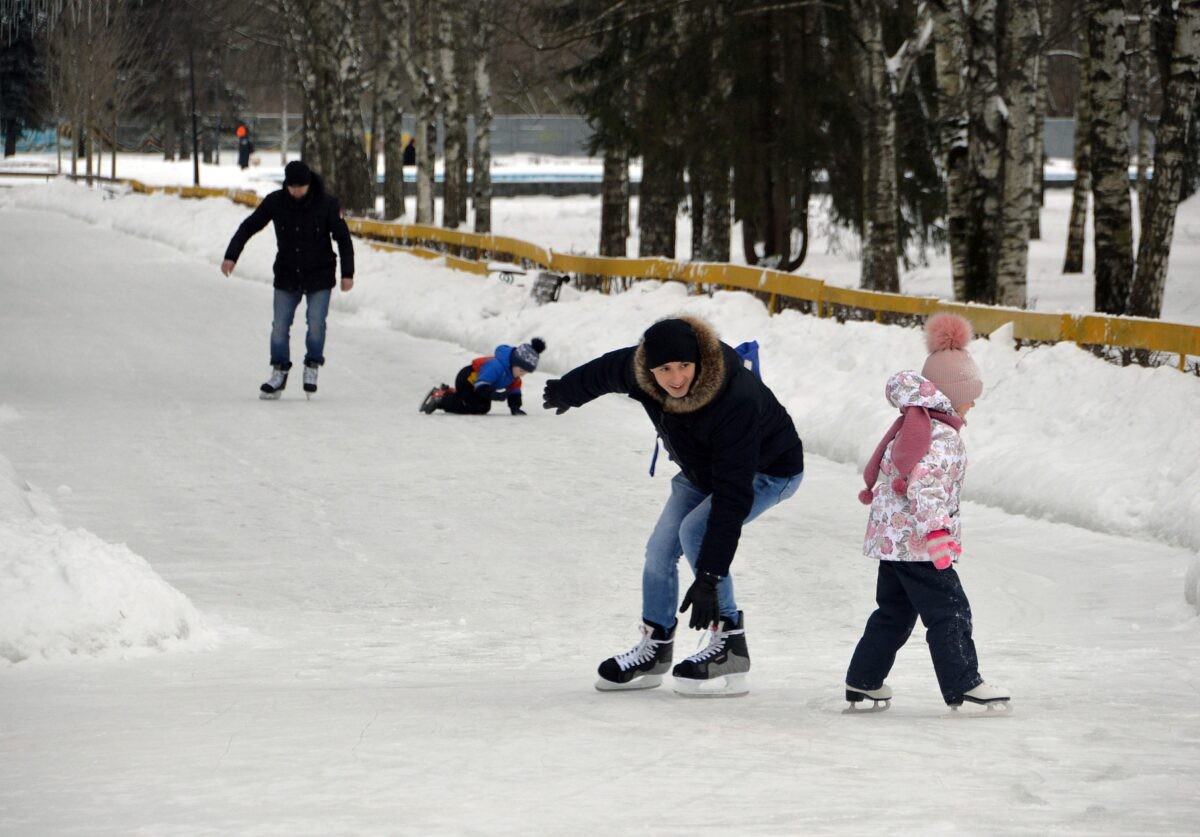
x: 680, y: 531
x: 286, y: 303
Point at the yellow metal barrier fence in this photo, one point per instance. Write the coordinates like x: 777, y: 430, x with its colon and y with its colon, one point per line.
x: 470, y: 252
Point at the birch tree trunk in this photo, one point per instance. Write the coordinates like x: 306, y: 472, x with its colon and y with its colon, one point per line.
x: 985, y: 151
x: 1077, y: 225
x: 880, y: 270
x: 614, y: 204
x: 1112, y: 214
x: 418, y: 62
x: 453, y: 187
x: 392, y: 105
x: 950, y: 50
x: 1022, y: 38
x: 354, y: 183
x: 1039, y: 136
x: 1143, y: 59
x: 482, y: 161
x: 1154, y: 249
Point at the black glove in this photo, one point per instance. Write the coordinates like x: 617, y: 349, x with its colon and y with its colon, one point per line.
x: 552, y: 397
x: 514, y: 403
x: 702, y: 597
x: 517, y: 411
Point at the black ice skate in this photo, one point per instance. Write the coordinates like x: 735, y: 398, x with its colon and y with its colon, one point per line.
x: 880, y: 698
x: 641, y: 667
x: 310, y: 378
x: 273, y: 388
x: 434, y: 399
x: 719, y: 669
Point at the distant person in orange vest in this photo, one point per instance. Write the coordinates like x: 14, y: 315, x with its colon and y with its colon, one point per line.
x: 245, y: 147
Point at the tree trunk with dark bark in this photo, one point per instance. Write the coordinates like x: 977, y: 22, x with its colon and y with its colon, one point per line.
x: 1154, y: 249
x: 1112, y: 214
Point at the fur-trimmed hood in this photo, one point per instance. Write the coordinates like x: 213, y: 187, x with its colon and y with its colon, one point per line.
x: 711, y: 372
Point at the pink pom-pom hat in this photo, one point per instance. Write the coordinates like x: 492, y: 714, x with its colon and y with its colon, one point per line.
x: 949, y: 367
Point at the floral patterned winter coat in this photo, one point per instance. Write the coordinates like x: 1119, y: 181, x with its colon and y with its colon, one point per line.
x: 899, y: 524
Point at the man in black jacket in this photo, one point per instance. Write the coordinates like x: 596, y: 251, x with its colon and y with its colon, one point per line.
x: 738, y: 454
x: 304, y: 217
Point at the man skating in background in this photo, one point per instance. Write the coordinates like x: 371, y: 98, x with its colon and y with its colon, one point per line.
x: 305, y: 217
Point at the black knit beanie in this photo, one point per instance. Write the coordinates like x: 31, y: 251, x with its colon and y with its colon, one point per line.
x: 296, y: 173
x: 670, y: 341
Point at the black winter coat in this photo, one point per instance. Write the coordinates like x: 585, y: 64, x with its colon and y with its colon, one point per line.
x: 305, y: 260
x: 727, y: 428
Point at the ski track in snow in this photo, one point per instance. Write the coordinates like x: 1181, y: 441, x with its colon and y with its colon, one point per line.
x: 413, y: 607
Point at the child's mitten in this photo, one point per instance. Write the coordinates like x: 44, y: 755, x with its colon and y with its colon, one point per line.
x: 942, y: 548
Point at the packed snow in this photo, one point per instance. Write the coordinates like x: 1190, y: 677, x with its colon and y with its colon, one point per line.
x: 393, y: 620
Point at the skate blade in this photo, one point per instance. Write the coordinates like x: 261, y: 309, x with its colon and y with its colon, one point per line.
x: 728, y: 685
x: 646, y: 681
x: 270, y: 396
x: 876, y: 707
x: 981, y: 709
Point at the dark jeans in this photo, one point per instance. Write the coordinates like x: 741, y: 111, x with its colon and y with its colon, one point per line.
x: 905, y: 590
x: 463, y: 399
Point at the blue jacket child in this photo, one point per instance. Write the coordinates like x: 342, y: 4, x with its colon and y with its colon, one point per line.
x: 495, y: 377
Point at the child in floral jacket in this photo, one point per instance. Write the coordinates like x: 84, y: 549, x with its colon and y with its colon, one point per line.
x: 913, y: 529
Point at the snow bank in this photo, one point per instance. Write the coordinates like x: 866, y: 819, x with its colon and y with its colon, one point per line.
x: 66, y: 593
x: 1057, y: 434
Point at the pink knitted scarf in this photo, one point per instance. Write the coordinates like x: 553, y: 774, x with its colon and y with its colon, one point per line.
x: 913, y: 432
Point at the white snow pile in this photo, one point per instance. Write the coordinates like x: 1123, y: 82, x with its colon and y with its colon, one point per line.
x: 65, y: 593
x: 1057, y: 434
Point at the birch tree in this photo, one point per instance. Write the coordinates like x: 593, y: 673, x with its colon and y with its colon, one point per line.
x: 450, y: 32
x: 419, y: 60
x: 1179, y: 101
x: 1020, y: 90
x: 1082, y: 158
x: 391, y: 97
x: 483, y: 25
x: 985, y: 152
x: 950, y: 48
x: 880, y: 269
x: 1112, y: 214
x: 325, y: 37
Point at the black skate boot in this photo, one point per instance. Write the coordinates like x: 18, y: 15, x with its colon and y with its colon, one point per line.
x: 273, y: 388
x: 719, y: 669
x: 310, y: 377
x: 641, y: 667
x: 434, y: 399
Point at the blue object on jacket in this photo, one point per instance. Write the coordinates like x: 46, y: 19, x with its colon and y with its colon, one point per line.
x: 497, y: 372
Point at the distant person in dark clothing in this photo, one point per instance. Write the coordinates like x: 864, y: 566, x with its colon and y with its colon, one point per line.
x: 245, y: 147
x: 305, y: 217
x: 410, y: 152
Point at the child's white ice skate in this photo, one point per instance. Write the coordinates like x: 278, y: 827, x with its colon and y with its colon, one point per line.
x: 881, y: 699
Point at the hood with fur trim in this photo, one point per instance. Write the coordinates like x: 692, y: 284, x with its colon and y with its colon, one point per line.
x: 711, y: 372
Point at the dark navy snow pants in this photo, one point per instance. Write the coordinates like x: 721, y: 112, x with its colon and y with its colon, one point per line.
x: 904, y: 591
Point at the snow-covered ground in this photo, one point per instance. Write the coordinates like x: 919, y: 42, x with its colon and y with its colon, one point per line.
x: 348, y: 617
